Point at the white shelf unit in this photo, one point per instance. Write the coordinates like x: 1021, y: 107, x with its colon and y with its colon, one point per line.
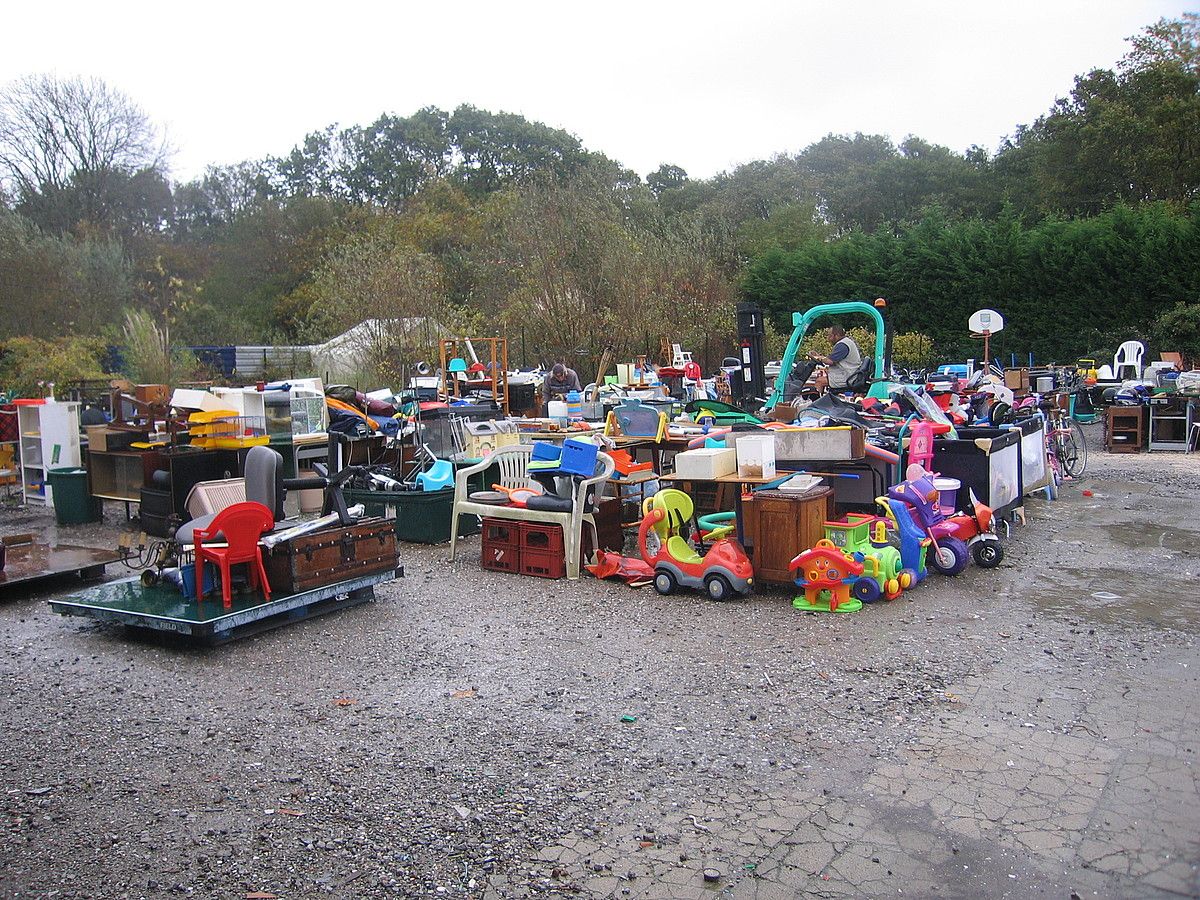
x: 49, y: 435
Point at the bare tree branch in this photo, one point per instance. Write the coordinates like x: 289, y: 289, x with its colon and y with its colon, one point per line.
x: 54, y: 132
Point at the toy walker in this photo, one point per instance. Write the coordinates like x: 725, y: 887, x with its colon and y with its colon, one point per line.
x: 866, y: 539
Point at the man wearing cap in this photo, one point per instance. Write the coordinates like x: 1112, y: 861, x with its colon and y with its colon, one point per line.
x: 560, y: 381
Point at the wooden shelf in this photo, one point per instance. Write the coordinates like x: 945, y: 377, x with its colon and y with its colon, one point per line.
x: 1125, y: 429
x: 117, y: 474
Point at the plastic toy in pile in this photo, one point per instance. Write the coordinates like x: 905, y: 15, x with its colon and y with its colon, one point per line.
x: 827, y: 575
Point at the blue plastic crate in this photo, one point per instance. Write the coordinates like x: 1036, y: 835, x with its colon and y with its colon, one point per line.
x: 543, y: 450
x: 578, y: 458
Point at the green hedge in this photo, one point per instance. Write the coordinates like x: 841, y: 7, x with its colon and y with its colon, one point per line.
x: 1066, y: 288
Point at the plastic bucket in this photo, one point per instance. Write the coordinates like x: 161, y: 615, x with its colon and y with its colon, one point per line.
x: 948, y: 494
x: 187, y: 575
x: 311, y: 500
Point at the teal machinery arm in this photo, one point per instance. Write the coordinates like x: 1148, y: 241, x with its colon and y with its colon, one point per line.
x: 800, y: 326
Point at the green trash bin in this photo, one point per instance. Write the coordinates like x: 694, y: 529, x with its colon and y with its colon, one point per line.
x: 73, y: 505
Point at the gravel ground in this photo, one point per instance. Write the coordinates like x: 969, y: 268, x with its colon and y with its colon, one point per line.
x: 463, y: 735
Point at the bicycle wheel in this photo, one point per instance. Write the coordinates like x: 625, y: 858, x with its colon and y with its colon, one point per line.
x: 1072, y: 449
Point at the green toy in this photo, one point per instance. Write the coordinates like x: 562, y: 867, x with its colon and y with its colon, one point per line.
x: 865, y: 538
x: 801, y: 322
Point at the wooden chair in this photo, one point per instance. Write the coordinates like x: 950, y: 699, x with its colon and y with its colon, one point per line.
x: 240, y: 527
x: 514, y: 473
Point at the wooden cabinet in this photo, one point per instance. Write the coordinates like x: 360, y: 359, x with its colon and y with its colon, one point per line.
x: 777, y: 525
x: 1125, y: 429
x: 116, y: 474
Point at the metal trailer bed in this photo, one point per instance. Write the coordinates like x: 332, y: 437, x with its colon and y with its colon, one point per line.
x: 163, y: 608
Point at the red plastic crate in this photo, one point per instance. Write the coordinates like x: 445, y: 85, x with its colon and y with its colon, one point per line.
x: 543, y: 565
x: 500, y: 558
x: 537, y: 538
x: 502, y: 532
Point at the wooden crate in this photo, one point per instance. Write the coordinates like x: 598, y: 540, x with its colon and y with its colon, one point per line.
x: 334, y: 554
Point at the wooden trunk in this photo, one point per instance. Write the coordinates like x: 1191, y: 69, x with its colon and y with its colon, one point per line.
x: 334, y: 554
x: 777, y: 526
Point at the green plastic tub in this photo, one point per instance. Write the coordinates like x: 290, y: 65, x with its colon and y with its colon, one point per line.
x: 422, y: 517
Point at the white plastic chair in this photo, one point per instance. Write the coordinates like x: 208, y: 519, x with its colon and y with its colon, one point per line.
x: 514, y: 473
x: 1129, y: 356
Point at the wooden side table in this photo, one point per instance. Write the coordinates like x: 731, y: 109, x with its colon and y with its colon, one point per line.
x: 780, y: 524
x: 1125, y: 429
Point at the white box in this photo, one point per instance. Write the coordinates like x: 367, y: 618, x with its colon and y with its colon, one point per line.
x: 756, y: 456
x: 706, y: 463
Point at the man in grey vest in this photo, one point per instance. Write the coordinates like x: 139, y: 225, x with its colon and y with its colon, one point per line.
x: 842, y: 360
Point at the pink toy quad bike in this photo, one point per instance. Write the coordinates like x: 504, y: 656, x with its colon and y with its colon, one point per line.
x: 948, y: 553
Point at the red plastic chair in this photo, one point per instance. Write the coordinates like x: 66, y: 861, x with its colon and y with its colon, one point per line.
x: 240, y: 525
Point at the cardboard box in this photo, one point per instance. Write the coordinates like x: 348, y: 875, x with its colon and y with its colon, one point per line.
x: 1017, y: 379
x: 756, y: 456
x: 837, y: 442
x: 97, y: 436
x: 706, y: 463
x: 151, y: 393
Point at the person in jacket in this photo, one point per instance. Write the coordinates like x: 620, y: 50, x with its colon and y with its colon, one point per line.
x: 560, y: 381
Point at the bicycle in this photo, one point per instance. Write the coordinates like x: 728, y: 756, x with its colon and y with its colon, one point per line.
x: 1066, y: 445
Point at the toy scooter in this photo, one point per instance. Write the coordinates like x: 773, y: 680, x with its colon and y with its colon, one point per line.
x: 917, y: 497
x: 978, y: 529
x: 723, y: 571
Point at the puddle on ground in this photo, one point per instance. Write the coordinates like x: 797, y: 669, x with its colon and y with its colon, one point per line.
x: 1169, y: 600
x: 1143, y: 536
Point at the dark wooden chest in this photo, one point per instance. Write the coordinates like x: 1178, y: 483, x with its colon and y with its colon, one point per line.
x: 332, y: 555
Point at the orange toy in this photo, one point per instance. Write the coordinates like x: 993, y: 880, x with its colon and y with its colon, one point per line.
x: 826, y: 573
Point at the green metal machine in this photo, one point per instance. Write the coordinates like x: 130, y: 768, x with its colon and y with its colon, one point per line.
x: 801, y: 322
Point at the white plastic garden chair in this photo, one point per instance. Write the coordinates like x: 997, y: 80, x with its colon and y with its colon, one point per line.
x: 1129, y: 356
x: 514, y: 473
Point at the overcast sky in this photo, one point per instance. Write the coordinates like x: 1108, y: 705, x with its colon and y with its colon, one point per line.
x: 703, y: 85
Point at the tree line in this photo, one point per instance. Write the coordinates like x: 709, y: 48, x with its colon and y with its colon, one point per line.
x: 1081, y: 226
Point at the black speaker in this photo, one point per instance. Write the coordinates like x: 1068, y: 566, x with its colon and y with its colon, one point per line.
x: 748, y: 385
x: 749, y: 321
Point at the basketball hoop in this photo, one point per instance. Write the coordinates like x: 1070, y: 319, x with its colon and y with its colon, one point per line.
x: 983, y: 324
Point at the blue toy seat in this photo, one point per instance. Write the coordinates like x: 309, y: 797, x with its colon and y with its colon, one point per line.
x: 440, y: 475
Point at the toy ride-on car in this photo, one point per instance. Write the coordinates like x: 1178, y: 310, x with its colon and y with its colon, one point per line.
x: 722, y: 570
